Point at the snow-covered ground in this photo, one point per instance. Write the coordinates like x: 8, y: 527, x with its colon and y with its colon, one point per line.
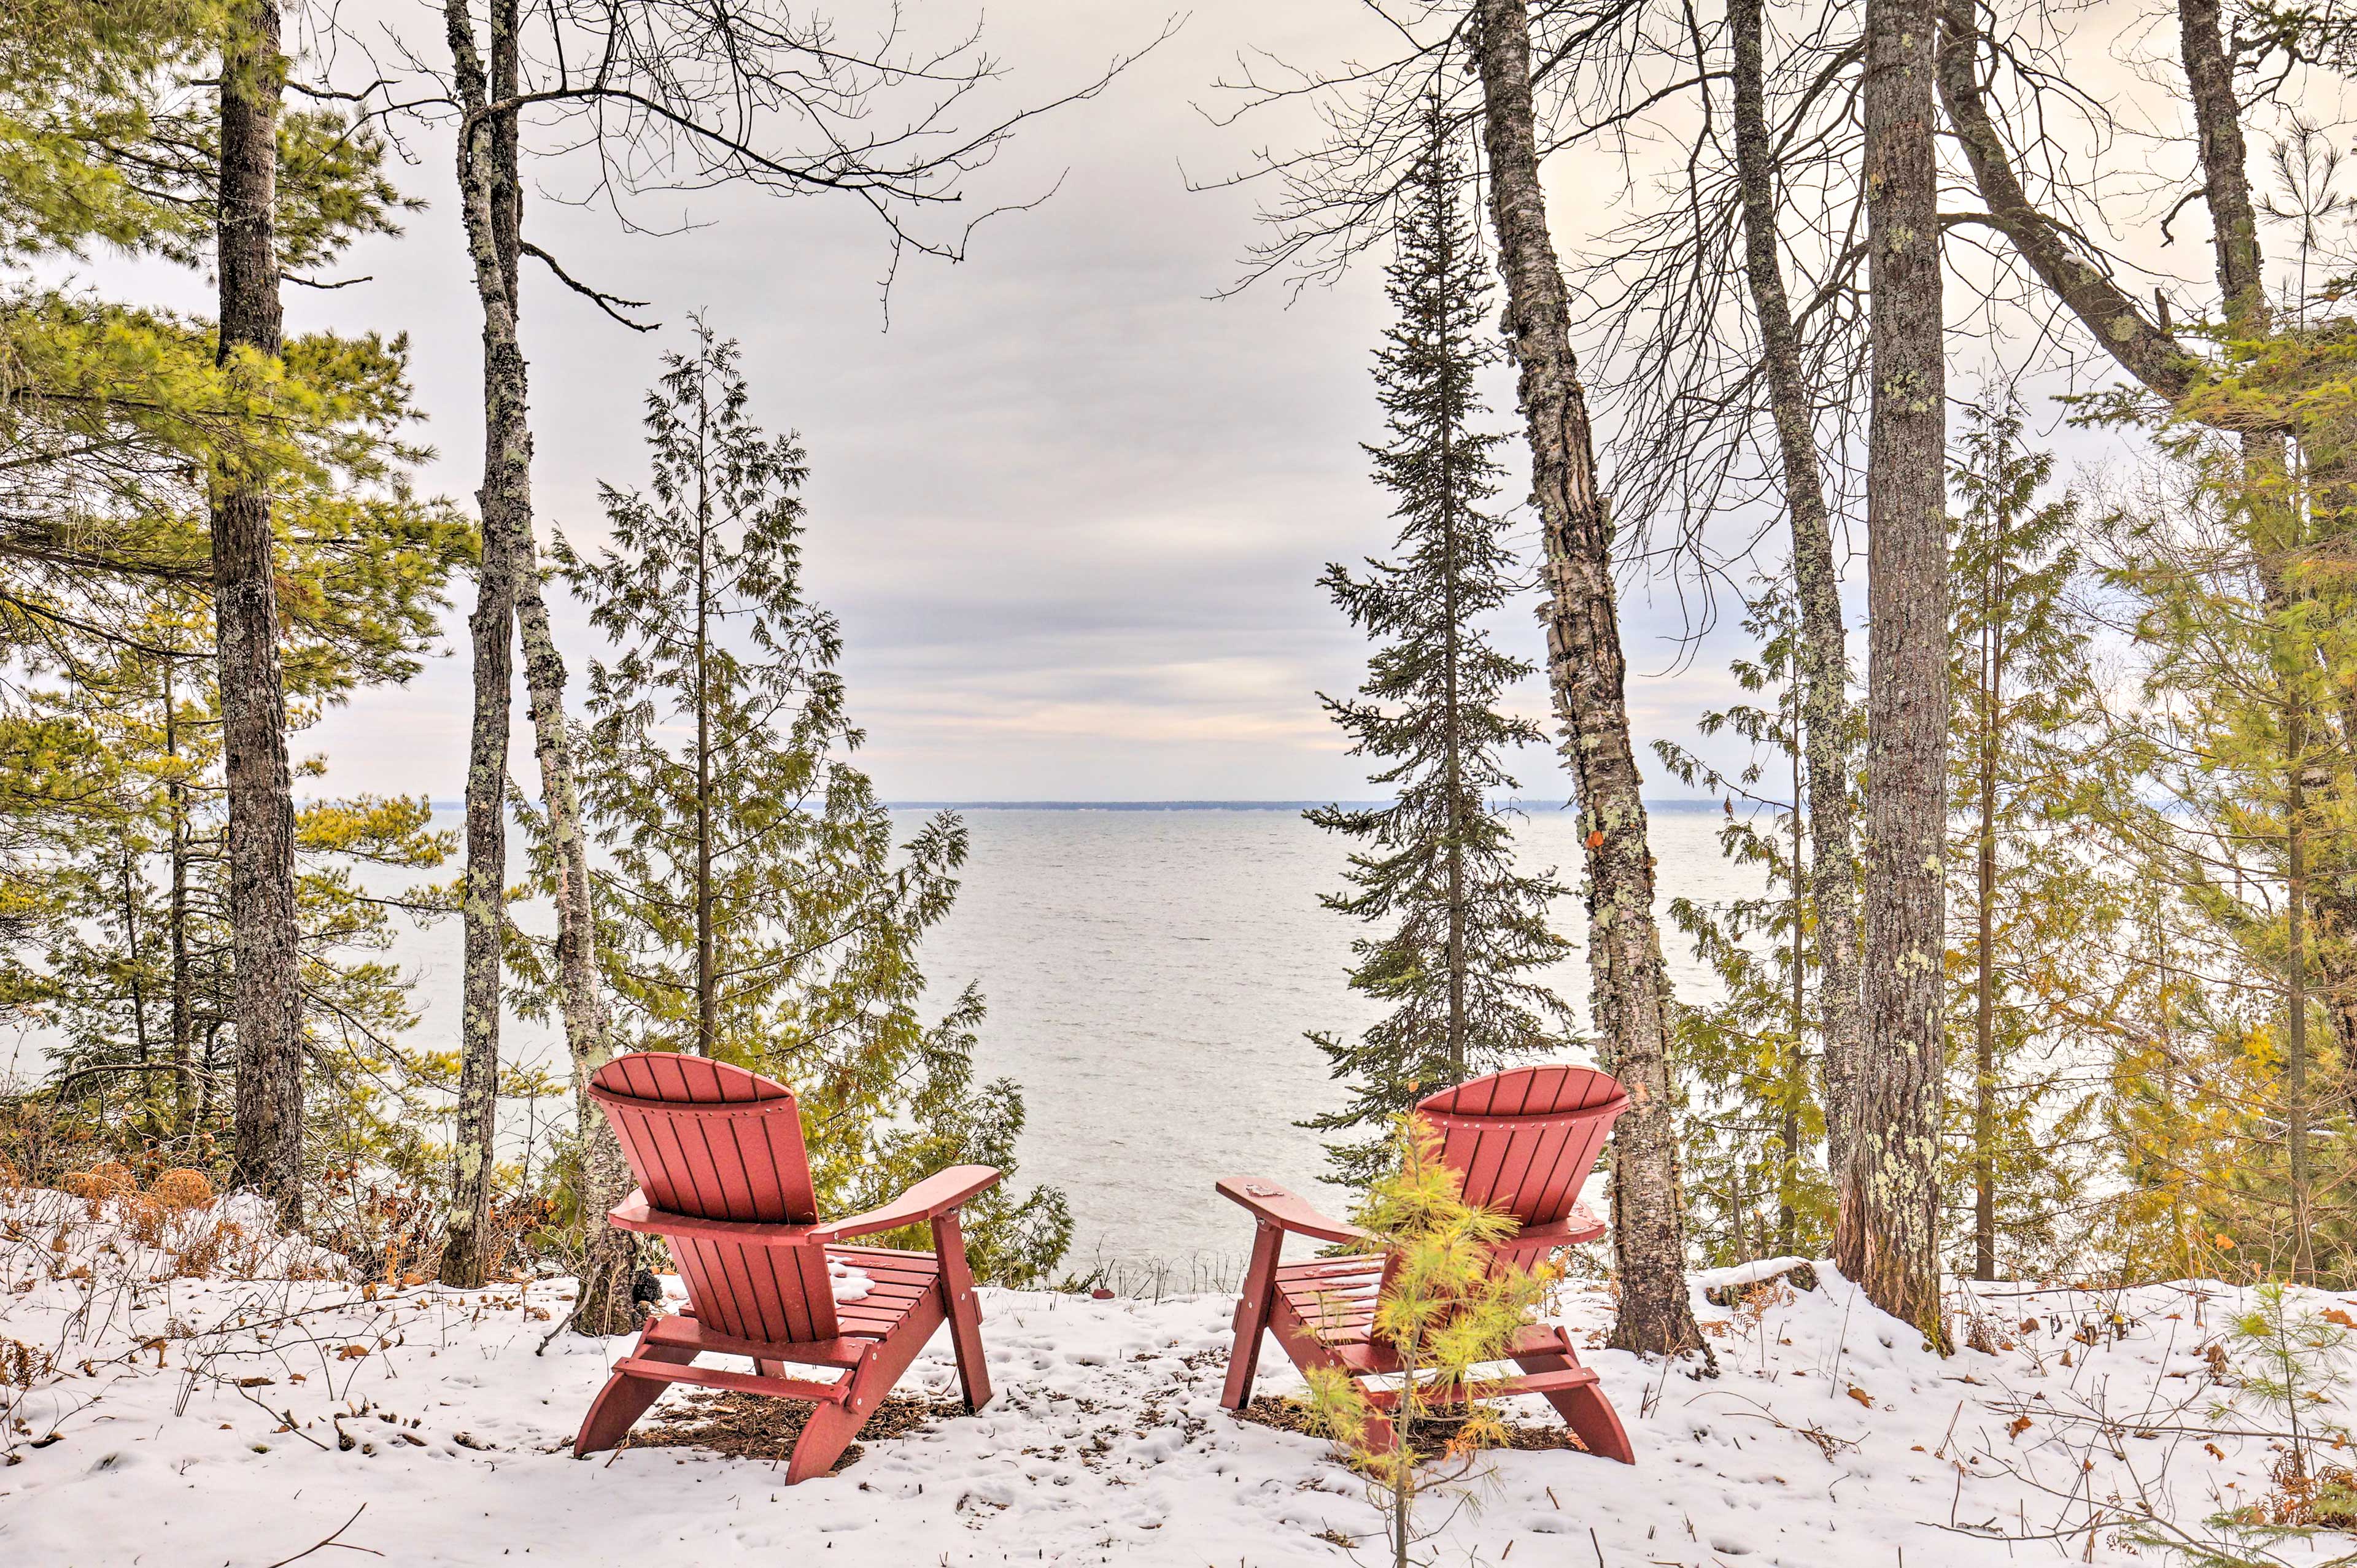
x: 183, y: 1423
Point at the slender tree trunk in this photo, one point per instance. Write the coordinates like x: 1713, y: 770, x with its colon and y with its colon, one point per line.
x: 1788, y: 1220
x: 1823, y: 641
x: 1992, y: 719
x: 2241, y: 287
x: 488, y: 206
x: 1888, y: 1235
x: 1587, y: 676
x: 126, y: 872
x: 609, y: 1264
x: 707, y: 966
x: 491, y: 208
x: 1452, y: 736
x: 267, y: 1006
x: 176, y: 796
x: 2296, y: 1107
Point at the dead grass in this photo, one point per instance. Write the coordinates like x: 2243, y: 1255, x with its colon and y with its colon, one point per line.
x: 758, y: 1426
x: 1282, y: 1414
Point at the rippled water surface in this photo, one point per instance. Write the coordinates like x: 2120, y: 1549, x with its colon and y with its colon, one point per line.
x: 1150, y: 976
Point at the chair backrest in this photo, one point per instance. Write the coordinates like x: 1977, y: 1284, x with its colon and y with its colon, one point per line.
x: 716, y: 1141
x: 1525, y: 1140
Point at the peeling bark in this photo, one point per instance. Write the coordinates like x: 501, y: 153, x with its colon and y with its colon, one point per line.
x: 1888, y: 1237
x: 1824, y: 643
x: 267, y: 1000
x: 1587, y: 675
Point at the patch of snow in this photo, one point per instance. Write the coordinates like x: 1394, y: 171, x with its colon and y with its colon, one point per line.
x: 242, y: 1421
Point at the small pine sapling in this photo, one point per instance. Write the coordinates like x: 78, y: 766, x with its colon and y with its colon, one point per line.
x: 2292, y: 1362
x: 1446, y: 1308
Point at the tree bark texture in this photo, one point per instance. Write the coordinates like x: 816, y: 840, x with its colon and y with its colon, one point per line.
x: 267, y: 999
x: 487, y: 210
x: 1888, y: 1236
x: 491, y: 204
x: 1585, y: 676
x: 1823, y: 642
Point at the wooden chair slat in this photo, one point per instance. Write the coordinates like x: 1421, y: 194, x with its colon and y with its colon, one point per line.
x: 1522, y: 1141
x: 711, y: 1142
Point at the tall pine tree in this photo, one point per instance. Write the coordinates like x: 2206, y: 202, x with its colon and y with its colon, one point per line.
x: 1465, y: 929
x: 753, y: 906
x: 2033, y: 907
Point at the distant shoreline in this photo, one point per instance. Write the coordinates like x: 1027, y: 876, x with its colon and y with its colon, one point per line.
x: 1526, y: 805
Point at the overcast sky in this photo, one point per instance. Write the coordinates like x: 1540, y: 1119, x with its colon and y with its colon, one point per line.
x: 1069, y: 510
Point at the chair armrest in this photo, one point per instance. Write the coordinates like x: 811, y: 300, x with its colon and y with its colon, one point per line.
x: 1273, y: 1205
x: 939, y: 1194
x: 1573, y: 1229
x: 635, y: 1213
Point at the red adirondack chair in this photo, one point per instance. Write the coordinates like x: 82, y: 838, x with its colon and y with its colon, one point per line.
x: 724, y: 1177
x: 1525, y: 1141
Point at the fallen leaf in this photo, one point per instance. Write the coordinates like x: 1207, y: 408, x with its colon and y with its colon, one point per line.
x: 1862, y: 1396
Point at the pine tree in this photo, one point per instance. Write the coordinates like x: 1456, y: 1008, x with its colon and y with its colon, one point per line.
x: 2035, y: 908
x: 1750, y: 1076
x: 1446, y: 1311
x: 1465, y: 928
x: 754, y: 909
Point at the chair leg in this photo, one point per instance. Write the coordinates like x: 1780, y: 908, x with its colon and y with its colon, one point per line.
x: 624, y: 1398
x: 964, y: 1309
x: 1586, y: 1410
x: 1252, y: 1316
x: 832, y: 1427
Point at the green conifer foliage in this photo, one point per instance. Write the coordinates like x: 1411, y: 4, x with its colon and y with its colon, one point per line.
x: 1464, y: 929
x: 2034, y: 905
x: 2232, y: 1086
x: 1749, y: 1058
x: 754, y: 905
x: 1446, y: 1310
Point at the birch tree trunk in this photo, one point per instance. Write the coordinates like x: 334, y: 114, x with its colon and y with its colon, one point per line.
x: 267, y: 1001
x: 1887, y: 1239
x: 491, y: 206
x: 1586, y: 675
x: 1823, y: 642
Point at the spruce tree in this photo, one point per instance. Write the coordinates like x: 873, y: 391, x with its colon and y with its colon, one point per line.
x: 753, y: 906
x: 2034, y: 910
x: 1464, y: 931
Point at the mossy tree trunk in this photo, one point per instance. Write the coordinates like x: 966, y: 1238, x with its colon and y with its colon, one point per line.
x: 1587, y: 676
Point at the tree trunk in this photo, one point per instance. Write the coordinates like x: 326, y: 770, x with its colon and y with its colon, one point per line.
x: 491, y: 192
x: 487, y: 211
x: 609, y: 1262
x: 1788, y: 1166
x: 1823, y: 642
x: 1452, y: 729
x: 267, y: 1001
x: 1888, y: 1234
x: 176, y: 794
x: 1586, y: 675
x: 2296, y: 1110
x: 707, y: 959
x: 1991, y: 718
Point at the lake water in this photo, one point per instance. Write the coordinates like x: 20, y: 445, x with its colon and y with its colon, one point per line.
x: 1150, y: 974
